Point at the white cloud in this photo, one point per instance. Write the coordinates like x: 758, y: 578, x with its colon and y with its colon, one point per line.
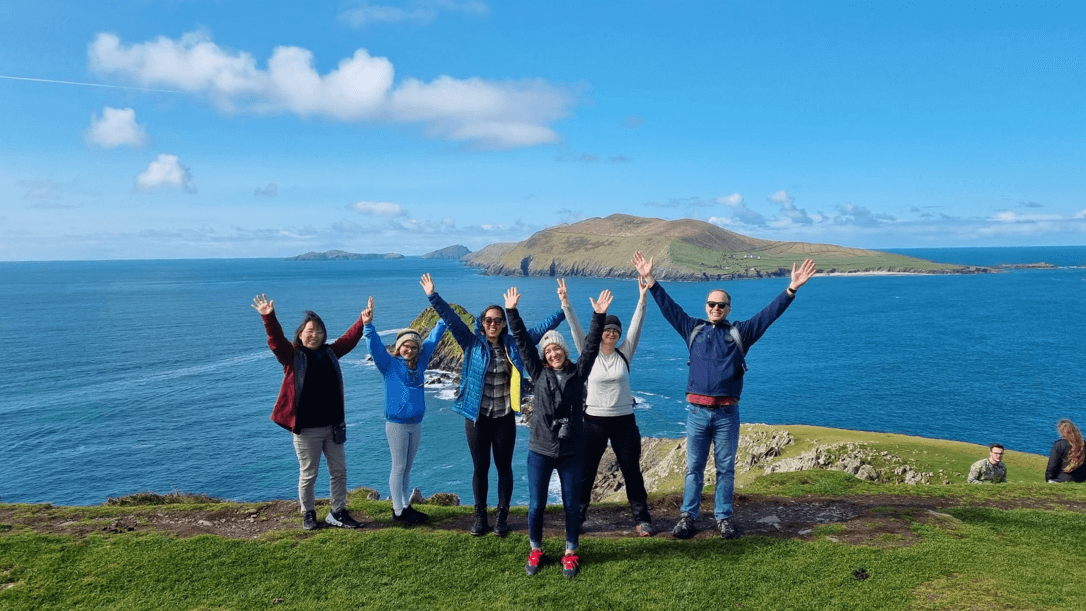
x: 740, y: 213
x: 423, y: 13
x: 486, y: 114
x: 849, y: 214
x: 378, y: 209
x: 165, y: 171
x: 788, y: 208
x: 116, y: 127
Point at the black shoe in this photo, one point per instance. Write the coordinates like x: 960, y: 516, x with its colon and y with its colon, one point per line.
x: 309, y: 520
x: 726, y: 529
x: 414, y: 516
x: 480, y: 527
x: 684, y: 529
x: 501, y: 522
x: 341, y: 519
x: 400, y: 519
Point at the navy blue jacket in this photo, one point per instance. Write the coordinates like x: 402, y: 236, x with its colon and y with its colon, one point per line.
x: 716, y: 363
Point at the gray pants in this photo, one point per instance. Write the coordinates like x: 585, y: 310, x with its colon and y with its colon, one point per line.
x: 403, y: 444
x: 309, y: 444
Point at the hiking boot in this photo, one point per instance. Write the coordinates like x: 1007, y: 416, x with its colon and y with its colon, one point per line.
x: 309, y: 520
x: 501, y: 522
x: 535, y: 560
x: 571, y: 565
x: 414, y: 516
x: 684, y: 529
x: 480, y: 527
x: 645, y: 529
x: 726, y: 529
x: 341, y: 519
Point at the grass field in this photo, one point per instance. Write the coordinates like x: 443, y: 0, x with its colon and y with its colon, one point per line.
x: 1015, y: 546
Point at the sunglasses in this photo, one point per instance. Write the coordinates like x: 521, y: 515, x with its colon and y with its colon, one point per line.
x: 717, y: 304
x: 492, y: 321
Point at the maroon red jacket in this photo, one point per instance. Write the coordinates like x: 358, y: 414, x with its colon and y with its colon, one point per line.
x: 293, y: 361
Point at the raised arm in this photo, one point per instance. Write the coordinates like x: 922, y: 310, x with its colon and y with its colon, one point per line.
x: 595, y: 333
x: 633, y: 335
x: 461, y: 332
x: 525, y: 344
x: 381, y: 357
x: 430, y: 345
x: 350, y: 339
x: 277, y: 341
x: 571, y: 316
x: 802, y: 275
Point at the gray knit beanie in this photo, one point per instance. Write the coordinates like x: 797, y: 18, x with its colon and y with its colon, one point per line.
x: 553, y: 337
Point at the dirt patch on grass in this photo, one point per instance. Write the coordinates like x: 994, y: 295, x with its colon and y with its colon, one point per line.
x: 880, y: 520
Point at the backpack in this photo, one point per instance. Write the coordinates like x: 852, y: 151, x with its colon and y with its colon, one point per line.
x: 732, y: 332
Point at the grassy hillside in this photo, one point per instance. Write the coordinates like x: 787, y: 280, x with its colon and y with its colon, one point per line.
x: 864, y: 546
x: 684, y: 249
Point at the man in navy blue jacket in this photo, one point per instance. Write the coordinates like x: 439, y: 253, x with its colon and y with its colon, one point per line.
x: 717, y: 364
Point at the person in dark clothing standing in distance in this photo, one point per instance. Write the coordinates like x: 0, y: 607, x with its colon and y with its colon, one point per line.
x: 715, y: 383
x: 489, y: 394
x: 311, y: 405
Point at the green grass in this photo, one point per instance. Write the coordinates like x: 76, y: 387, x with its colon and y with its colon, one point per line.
x: 971, y: 555
x: 992, y: 560
x: 783, y: 255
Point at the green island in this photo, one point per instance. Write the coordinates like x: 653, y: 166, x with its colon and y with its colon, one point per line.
x: 684, y: 249
x: 814, y: 539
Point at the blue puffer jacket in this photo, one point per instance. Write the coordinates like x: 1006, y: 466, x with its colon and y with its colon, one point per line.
x: 405, y: 395
x: 477, y: 354
x: 716, y: 363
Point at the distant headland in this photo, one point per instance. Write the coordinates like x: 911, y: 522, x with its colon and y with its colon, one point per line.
x: 342, y: 255
x: 685, y: 249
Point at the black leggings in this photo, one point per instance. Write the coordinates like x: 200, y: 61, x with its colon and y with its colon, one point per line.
x: 626, y: 442
x: 485, y: 435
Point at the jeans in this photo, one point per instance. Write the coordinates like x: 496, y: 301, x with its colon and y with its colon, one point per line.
x: 539, y: 478
x: 403, y: 444
x: 499, y: 434
x: 309, y: 444
x: 625, y: 440
x: 719, y: 426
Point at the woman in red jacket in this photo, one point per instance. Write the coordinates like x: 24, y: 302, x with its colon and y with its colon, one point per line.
x: 310, y: 405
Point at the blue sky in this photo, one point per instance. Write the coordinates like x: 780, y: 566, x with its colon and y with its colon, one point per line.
x: 215, y: 128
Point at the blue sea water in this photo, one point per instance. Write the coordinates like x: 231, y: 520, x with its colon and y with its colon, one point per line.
x: 124, y: 376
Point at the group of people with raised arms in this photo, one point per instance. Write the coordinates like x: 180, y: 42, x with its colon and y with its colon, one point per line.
x: 578, y: 406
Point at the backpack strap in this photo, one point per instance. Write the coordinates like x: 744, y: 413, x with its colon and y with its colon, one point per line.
x: 624, y: 359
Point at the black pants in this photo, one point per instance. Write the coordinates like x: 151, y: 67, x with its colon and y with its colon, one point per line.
x: 625, y: 440
x: 497, y: 435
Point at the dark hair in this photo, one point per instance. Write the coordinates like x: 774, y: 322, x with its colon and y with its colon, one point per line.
x: 310, y: 316
x: 490, y: 307
x: 996, y: 445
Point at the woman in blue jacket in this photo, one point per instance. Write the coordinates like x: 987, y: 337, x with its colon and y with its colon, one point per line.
x: 490, y: 389
x: 405, y: 405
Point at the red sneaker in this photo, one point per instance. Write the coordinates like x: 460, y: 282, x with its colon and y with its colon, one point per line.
x: 571, y: 565
x: 535, y: 559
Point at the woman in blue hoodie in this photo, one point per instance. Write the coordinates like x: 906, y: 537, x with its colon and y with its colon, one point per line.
x: 405, y: 405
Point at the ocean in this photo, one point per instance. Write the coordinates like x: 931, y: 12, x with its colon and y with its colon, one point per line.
x: 155, y: 375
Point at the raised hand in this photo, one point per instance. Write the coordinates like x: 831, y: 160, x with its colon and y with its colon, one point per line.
x: 642, y: 287
x: 802, y: 275
x: 427, y: 284
x: 644, y: 267
x: 563, y: 296
x: 601, y: 304
x: 512, y: 297
x: 367, y: 314
x: 262, y: 304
